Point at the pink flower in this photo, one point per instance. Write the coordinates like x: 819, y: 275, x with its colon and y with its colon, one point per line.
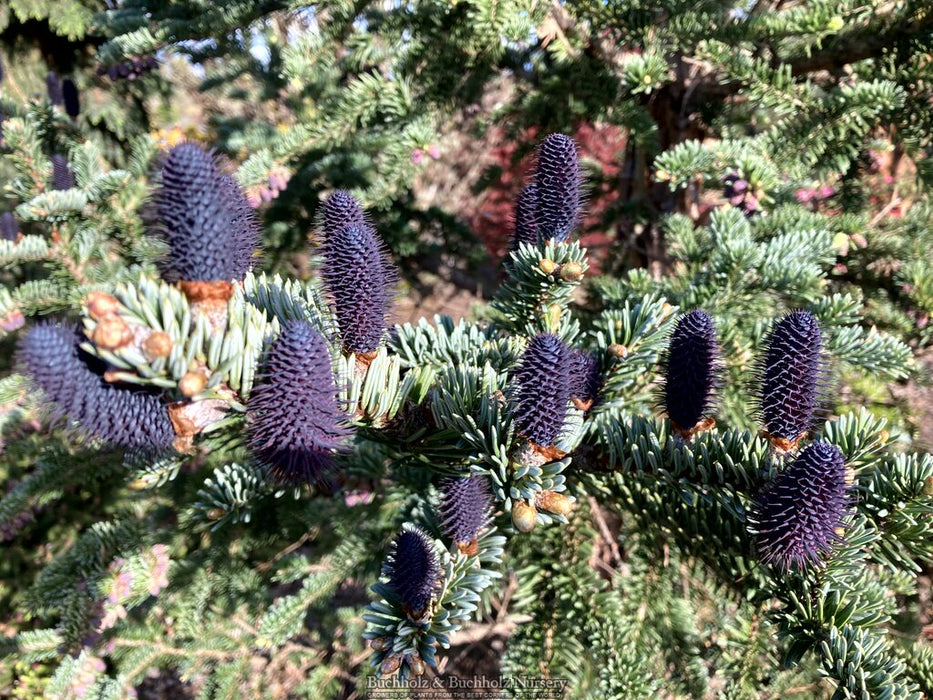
x: 840, y: 269
x: 12, y: 321
x: 417, y: 156
x: 434, y: 151
x: 827, y: 191
x: 159, y: 572
x: 803, y: 195
x: 859, y: 240
x: 355, y: 498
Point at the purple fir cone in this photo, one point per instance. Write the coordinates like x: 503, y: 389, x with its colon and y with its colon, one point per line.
x: 9, y: 226
x: 792, y: 375
x: 464, y: 510
x: 295, y: 422
x: 526, y: 226
x: 414, y: 570
x: 62, y: 176
x: 71, y: 380
x: 205, y: 218
x: 585, y: 379
x: 692, y: 373
x: 358, y: 278
x: 557, y: 179
x: 798, y: 517
x: 542, y: 390
x: 341, y: 211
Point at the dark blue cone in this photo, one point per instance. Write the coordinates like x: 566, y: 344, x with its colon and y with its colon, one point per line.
x: 585, y: 379
x: 692, y: 371
x: 295, y: 422
x: 414, y: 570
x: 9, y: 227
x: 791, y: 377
x: 358, y: 278
x: 526, y: 227
x: 542, y: 390
x: 62, y: 177
x: 797, y: 518
x: 53, y: 86
x: 204, y: 217
x: 71, y: 380
x: 341, y: 211
x: 557, y: 179
x: 465, y: 505
x: 70, y: 98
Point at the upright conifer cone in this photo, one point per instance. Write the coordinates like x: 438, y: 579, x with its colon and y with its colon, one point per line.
x: 542, y: 390
x: 71, y: 380
x: 204, y: 217
x: 584, y: 378
x: 295, y: 422
x: 557, y: 183
x: 414, y: 570
x: 53, y: 85
x: 70, y: 98
x: 791, y: 376
x: 526, y: 226
x: 464, y: 510
x: 797, y: 518
x: 62, y: 177
x: 9, y: 226
x: 692, y: 373
x: 357, y: 275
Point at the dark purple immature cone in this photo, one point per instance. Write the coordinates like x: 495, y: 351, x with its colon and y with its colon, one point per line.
x: 72, y: 381
x: 62, y: 177
x: 526, y: 226
x: 464, y: 510
x: 9, y: 227
x: 414, y: 570
x: 800, y: 515
x: 206, y: 220
x: 557, y: 180
x: 295, y: 422
x: 358, y: 278
x: 70, y: 98
x: 585, y: 379
x: 792, y: 376
x: 53, y: 85
x: 692, y: 374
x: 542, y: 390
x: 340, y: 211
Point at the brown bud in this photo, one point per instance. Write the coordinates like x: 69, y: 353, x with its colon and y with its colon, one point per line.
x: 112, y: 333
x: 471, y: 548
x: 666, y: 310
x: 850, y: 476
x: 840, y: 531
x: 553, y: 317
x: 571, y: 272
x: 216, y: 513
x: 553, y: 502
x: 617, y: 350
x: 524, y: 516
x: 379, y: 643
x: 100, y: 305
x: 884, y: 436
x: 157, y: 344
x: 390, y: 665
x: 416, y: 665
x: 547, y: 265
x: 192, y: 383
x: 928, y: 486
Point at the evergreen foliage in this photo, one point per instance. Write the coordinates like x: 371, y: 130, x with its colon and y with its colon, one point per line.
x: 269, y: 495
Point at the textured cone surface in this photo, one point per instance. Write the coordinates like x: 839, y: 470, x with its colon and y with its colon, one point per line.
x: 691, y: 373
x: 465, y: 507
x: 358, y: 279
x: 584, y: 376
x: 414, y: 569
x: 797, y: 517
x: 526, y: 226
x: 791, y: 376
x: 542, y: 389
x: 71, y: 381
x: 341, y: 211
x: 557, y: 182
x: 62, y: 177
x: 9, y: 227
x: 205, y: 219
x: 295, y: 422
